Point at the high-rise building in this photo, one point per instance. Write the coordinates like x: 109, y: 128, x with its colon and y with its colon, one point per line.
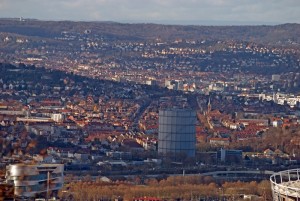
x: 32, y: 181
x: 177, y: 132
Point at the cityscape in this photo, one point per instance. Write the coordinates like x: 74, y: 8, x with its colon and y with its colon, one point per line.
x: 101, y: 110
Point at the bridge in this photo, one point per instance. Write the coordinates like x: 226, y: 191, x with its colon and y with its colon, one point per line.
x: 242, y: 174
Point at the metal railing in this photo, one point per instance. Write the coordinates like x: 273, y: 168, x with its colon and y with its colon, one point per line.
x: 286, y: 185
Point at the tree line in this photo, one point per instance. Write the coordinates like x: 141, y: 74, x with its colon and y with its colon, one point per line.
x: 170, y: 188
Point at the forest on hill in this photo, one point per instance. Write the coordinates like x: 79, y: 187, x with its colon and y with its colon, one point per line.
x: 285, y: 34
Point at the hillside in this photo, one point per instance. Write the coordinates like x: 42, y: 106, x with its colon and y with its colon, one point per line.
x: 284, y: 34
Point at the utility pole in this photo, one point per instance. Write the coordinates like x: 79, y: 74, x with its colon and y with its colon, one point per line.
x: 48, y: 184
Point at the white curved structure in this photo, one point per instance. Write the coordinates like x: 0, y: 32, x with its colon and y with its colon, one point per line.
x: 286, y: 185
x: 34, y: 180
x: 177, y: 131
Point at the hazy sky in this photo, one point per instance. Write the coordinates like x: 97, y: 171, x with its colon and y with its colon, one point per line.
x: 183, y: 11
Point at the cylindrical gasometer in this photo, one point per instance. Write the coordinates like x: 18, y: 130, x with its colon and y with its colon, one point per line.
x: 177, y: 132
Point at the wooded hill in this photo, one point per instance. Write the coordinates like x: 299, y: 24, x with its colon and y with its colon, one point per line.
x: 285, y: 34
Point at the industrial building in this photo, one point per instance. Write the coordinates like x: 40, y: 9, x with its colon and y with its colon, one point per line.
x: 286, y: 185
x: 177, y: 132
x: 230, y: 156
x: 33, y: 181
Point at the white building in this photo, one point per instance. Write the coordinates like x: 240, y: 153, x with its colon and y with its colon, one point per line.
x: 32, y: 181
x: 275, y: 77
x: 57, y: 117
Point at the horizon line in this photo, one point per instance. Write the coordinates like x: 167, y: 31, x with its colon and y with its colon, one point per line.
x: 163, y: 22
